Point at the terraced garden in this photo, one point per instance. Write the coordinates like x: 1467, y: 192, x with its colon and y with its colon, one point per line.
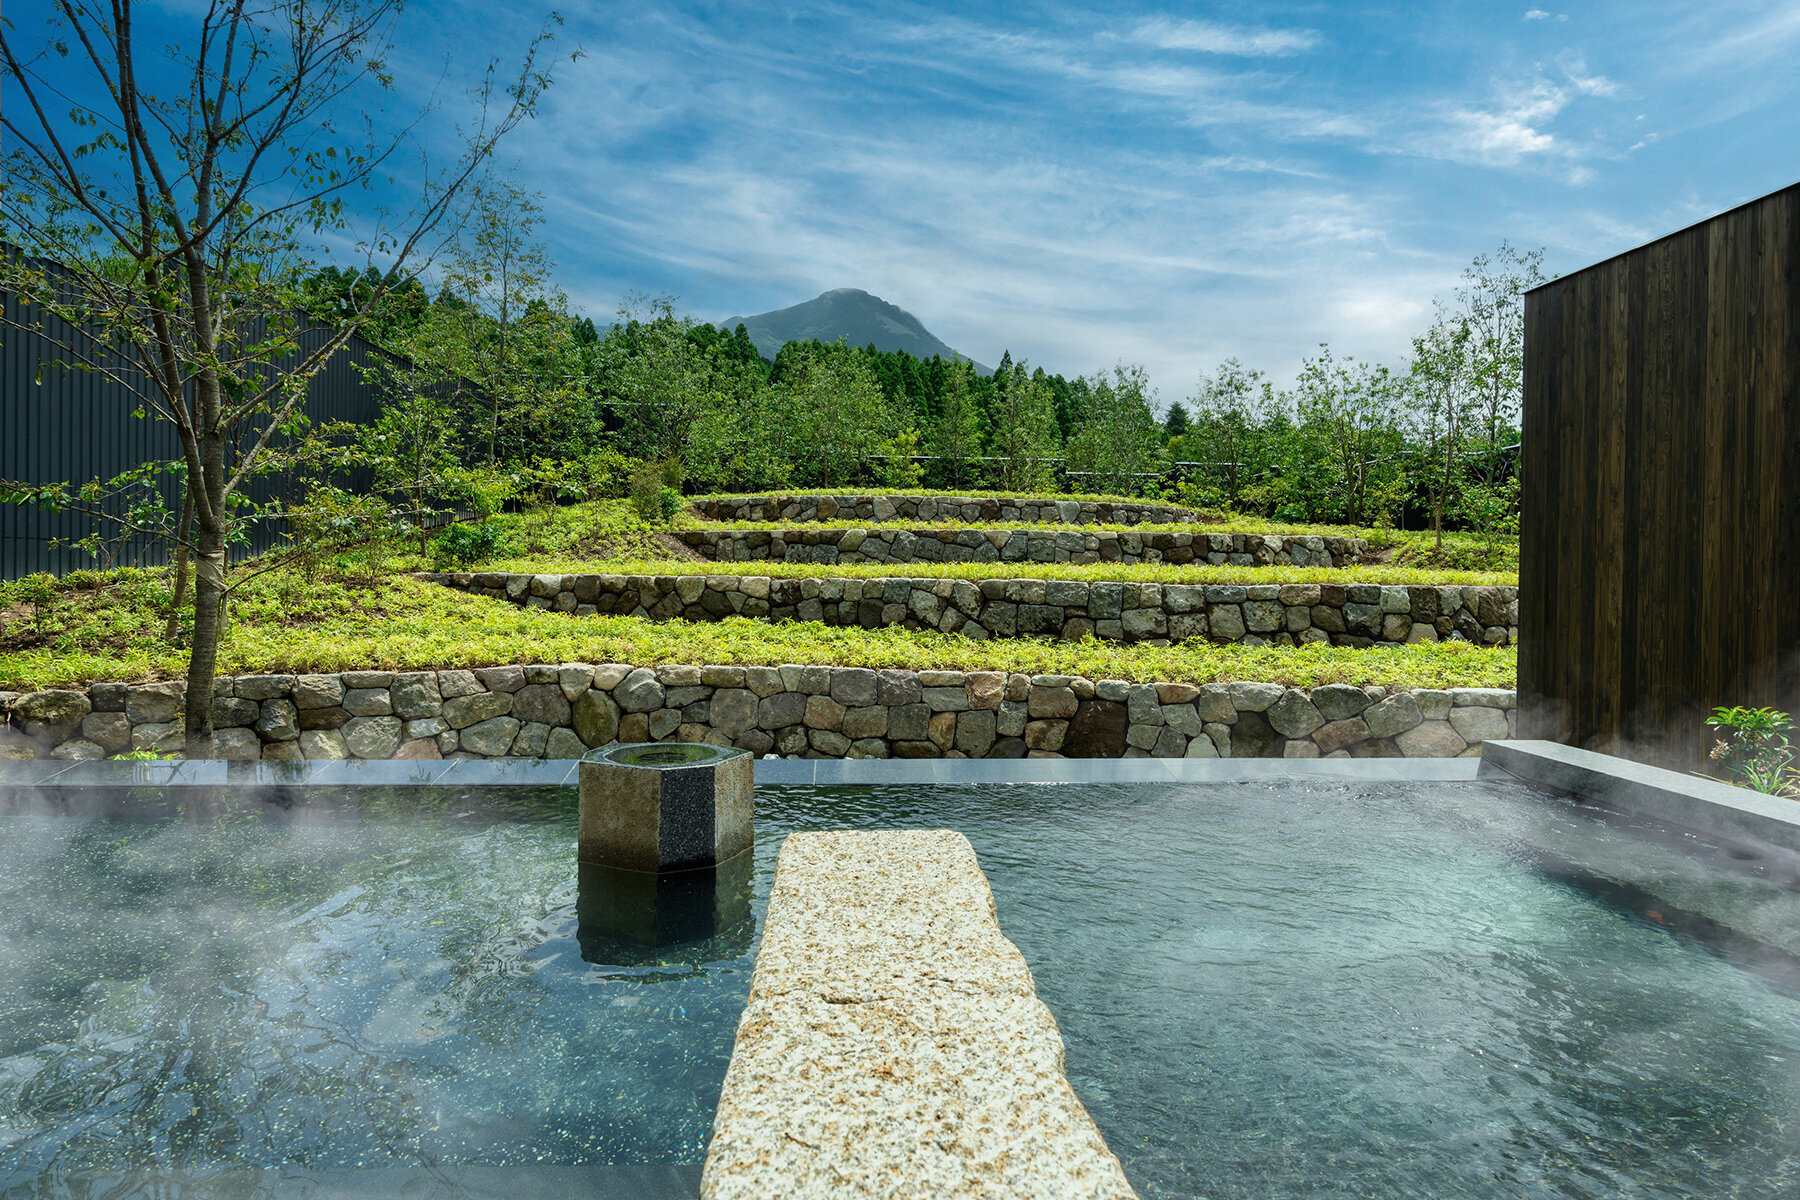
x: 1167, y: 654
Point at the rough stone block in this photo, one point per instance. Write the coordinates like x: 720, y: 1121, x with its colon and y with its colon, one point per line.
x: 1478, y: 724
x: 869, y: 721
x: 1394, y: 715
x: 1336, y: 701
x: 323, y: 743
x: 464, y: 711
x: 947, y: 698
x: 374, y: 737
x: 153, y: 703
x: 1431, y: 739
x: 368, y: 702
x: 822, y: 712
x: 278, y: 721
x: 415, y: 696
x: 264, y: 687
x: 1294, y: 716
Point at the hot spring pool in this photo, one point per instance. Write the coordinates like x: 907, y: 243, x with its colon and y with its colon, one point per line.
x: 1329, y: 989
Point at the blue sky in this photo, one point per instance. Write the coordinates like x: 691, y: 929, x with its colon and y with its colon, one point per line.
x: 1165, y: 184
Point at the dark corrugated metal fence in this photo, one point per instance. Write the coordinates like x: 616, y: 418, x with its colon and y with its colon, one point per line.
x: 63, y: 425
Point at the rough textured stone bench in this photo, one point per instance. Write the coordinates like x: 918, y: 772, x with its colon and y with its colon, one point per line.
x: 893, y: 1044
x: 1356, y: 614
x: 904, y: 545
x: 1045, y: 510
x: 561, y: 710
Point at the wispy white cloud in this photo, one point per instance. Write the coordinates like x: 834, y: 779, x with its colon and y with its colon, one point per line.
x: 1167, y: 34
x: 1537, y: 14
x: 1087, y: 187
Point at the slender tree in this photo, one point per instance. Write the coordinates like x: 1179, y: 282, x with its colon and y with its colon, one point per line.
x: 172, y: 220
x: 955, y: 433
x: 1442, y: 409
x: 1022, y: 435
x: 1119, y: 440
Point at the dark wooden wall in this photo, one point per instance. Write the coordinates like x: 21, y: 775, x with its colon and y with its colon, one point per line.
x: 1660, y: 528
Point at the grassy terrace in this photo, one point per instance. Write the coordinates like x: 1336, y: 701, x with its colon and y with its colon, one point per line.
x: 790, y: 493
x: 110, y: 628
x: 362, y: 612
x: 1462, y: 551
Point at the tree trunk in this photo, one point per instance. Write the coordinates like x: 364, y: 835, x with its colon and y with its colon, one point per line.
x: 209, y: 612
x: 209, y: 570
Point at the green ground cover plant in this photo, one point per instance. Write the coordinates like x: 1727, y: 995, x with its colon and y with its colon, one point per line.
x: 1460, y: 551
x: 608, y: 536
x: 110, y: 627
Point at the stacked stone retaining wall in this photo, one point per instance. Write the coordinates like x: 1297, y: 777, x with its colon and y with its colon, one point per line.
x: 1042, y: 510
x: 1357, y: 614
x: 563, y: 710
x: 898, y: 545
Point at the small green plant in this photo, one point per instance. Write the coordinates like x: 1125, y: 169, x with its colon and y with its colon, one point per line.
x: 1754, y: 749
x: 656, y: 491
x: 465, y: 545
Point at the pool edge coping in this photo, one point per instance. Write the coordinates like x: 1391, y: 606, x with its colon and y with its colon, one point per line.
x: 56, y: 775
x: 1693, y: 802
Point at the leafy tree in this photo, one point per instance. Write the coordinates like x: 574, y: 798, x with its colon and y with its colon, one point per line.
x: 177, y: 218
x: 1023, y: 434
x: 336, y: 294
x: 1438, y: 382
x: 1119, y: 440
x: 1492, y: 300
x: 955, y: 433
x: 506, y: 328
x: 1345, y: 463
x: 660, y: 380
x: 840, y: 415
x: 1233, y: 430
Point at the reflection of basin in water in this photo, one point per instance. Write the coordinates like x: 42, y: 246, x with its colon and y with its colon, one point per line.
x: 624, y: 913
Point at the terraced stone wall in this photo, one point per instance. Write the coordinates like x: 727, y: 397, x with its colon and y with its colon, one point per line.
x: 1043, y: 510
x: 1263, y: 614
x: 896, y: 545
x: 562, y: 710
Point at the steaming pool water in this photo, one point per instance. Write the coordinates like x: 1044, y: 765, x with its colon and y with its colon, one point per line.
x: 1328, y: 989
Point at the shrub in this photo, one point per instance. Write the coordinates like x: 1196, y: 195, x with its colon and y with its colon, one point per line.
x: 466, y: 545
x: 656, y: 491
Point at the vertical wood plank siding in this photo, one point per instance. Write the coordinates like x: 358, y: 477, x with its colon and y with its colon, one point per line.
x: 75, y: 426
x: 1659, y: 566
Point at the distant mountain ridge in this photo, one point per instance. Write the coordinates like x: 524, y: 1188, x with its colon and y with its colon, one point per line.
x: 851, y: 314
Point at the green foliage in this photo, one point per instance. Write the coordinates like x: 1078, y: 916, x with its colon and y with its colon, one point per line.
x: 1755, y: 750
x: 1233, y: 434
x: 1023, y: 435
x: 289, y: 622
x: 461, y: 545
x: 1118, y: 442
x: 1345, y: 465
x: 892, y: 464
x: 659, y: 380
x: 1176, y: 421
x: 955, y: 432
x: 652, y: 495
x: 840, y: 414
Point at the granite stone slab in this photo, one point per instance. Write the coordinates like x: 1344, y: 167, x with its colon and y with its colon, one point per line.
x: 893, y: 1044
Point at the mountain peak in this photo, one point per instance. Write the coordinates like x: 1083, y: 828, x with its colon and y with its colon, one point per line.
x: 849, y: 313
